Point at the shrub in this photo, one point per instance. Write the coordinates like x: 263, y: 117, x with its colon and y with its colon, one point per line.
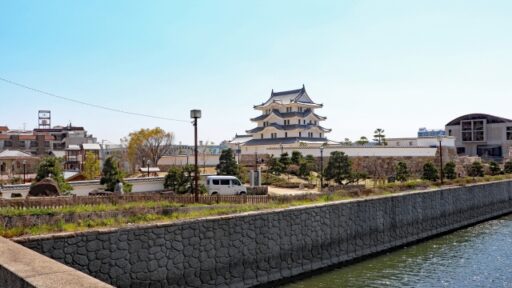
x: 508, y: 167
x: 494, y: 168
x: 476, y: 170
x: 430, y: 172
x: 449, y: 171
x: 402, y: 173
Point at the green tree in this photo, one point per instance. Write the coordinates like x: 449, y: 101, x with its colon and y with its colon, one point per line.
x: 347, y: 142
x: 379, y: 137
x: 110, y: 174
x: 179, y: 179
x: 52, y: 167
x: 362, y: 141
x: 449, y: 170
x: 285, y: 160
x: 307, y: 166
x: 296, y: 158
x: 430, y: 172
x: 402, y: 173
x: 227, y: 163
x: 508, y: 167
x: 148, y: 144
x: 91, y: 166
x: 339, y: 168
x: 274, y: 166
x: 476, y: 170
x: 494, y: 168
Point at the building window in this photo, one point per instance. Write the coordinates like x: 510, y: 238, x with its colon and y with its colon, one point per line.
x: 410, y: 143
x: 300, y: 134
x: 473, y: 130
x: 261, y: 136
x: 288, y: 109
x: 310, y: 134
x: 299, y: 122
x: 33, y: 144
x: 450, y: 132
x: 461, y: 150
x: 8, y: 143
x: 509, y: 133
x: 286, y: 122
x: 320, y: 135
x: 285, y: 134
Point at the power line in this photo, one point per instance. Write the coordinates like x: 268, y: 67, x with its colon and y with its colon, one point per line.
x: 89, y: 104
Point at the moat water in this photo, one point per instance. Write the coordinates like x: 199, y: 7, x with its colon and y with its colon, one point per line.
x: 479, y: 256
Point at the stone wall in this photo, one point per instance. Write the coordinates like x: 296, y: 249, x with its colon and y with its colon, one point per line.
x: 260, y: 247
x: 23, y: 268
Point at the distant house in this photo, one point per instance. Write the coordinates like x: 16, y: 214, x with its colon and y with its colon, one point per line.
x: 483, y: 135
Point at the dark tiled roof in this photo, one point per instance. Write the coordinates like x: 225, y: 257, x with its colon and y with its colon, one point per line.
x: 276, y: 141
x: 288, y: 127
x: 290, y: 96
x: 475, y: 116
x: 4, y: 128
x: 288, y: 115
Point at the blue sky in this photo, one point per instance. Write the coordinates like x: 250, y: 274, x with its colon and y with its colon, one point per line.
x: 397, y: 65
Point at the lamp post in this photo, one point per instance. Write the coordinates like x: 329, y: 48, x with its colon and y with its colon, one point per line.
x: 282, y: 150
x: 1, y: 176
x: 195, y: 114
x: 147, y: 163
x: 24, y: 171
x: 440, y: 139
x: 238, y: 152
x: 321, y: 167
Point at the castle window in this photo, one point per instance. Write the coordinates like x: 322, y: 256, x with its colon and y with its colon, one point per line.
x: 285, y: 134
x: 300, y: 109
x: 299, y: 121
x: 509, y: 133
x: 261, y: 136
x: 288, y: 109
x: 300, y: 134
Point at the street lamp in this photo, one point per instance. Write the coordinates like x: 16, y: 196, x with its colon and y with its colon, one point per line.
x: 24, y: 171
x: 147, y: 163
x: 440, y: 139
x: 321, y: 167
x: 195, y: 114
x: 282, y: 150
x: 1, y: 176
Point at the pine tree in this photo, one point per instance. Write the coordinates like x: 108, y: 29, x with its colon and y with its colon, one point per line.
x: 285, y: 161
x: 339, y: 168
x: 402, y: 173
x: 227, y: 163
x: 430, y: 172
x: 296, y: 158
x: 52, y: 167
x: 449, y: 170
x: 110, y: 174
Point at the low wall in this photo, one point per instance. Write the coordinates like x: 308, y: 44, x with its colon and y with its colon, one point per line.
x: 261, y: 247
x: 23, y: 268
x: 82, y: 188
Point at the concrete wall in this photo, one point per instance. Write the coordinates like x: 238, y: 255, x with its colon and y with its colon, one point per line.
x: 82, y: 188
x: 255, y: 248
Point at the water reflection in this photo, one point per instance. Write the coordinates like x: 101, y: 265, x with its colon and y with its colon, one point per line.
x: 480, y: 256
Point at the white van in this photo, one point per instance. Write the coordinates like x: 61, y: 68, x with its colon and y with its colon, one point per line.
x: 225, y: 185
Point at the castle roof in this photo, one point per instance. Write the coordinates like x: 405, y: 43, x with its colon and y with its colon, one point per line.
x: 288, y: 128
x: 288, y: 115
x: 288, y: 97
x: 290, y: 140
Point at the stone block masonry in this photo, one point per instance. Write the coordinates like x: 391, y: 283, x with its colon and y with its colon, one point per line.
x: 260, y: 247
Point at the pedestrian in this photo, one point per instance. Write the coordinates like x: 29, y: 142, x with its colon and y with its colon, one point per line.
x: 118, y: 189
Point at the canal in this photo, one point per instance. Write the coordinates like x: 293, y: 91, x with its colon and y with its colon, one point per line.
x: 479, y: 256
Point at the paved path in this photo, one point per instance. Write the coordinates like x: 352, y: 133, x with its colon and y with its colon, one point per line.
x: 286, y: 191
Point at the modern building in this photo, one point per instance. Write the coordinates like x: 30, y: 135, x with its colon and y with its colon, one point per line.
x: 424, y: 132
x: 483, y: 135
x: 287, y: 118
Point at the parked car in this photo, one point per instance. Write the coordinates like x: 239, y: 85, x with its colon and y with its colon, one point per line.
x: 225, y: 185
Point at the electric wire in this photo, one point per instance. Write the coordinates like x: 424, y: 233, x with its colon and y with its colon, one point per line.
x: 87, y: 103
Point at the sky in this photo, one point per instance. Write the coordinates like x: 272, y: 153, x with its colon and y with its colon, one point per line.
x: 396, y: 65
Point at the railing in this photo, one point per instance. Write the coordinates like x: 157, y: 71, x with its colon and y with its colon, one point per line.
x: 63, y: 201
